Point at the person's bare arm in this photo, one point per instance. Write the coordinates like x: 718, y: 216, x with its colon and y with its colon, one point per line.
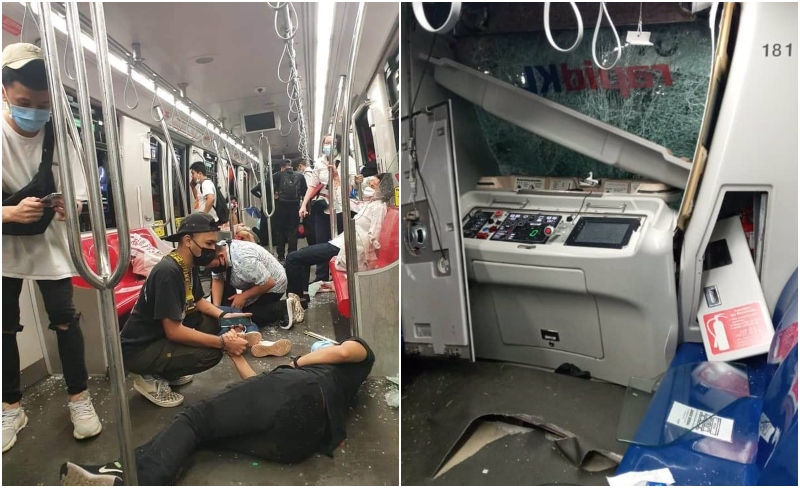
x: 348, y: 352
x: 259, y: 290
x: 209, y: 202
x: 29, y: 210
x: 244, y: 369
x: 217, y: 287
x: 177, y: 332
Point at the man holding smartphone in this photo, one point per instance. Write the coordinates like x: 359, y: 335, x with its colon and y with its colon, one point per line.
x: 172, y: 332
x: 35, y: 238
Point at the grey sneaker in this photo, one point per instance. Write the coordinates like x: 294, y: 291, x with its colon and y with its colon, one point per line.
x: 84, y: 418
x: 14, y: 420
x: 280, y: 347
x: 106, y: 475
x: 157, y: 390
x: 299, y: 313
x: 182, y: 380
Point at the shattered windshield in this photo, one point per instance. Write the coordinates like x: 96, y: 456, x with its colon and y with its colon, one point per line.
x: 656, y: 92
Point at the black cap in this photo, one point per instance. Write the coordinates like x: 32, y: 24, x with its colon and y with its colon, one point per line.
x: 286, y: 163
x: 194, y: 224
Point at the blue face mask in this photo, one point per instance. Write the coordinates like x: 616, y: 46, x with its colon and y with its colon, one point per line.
x: 29, y: 119
x: 326, y: 150
x: 320, y: 345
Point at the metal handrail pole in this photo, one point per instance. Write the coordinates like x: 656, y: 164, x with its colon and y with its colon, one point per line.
x: 263, y: 181
x: 174, y: 159
x: 350, y: 245
x: 166, y: 186
x: 332, y: 160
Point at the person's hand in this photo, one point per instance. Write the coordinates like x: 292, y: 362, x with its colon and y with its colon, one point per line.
x: 303, y: 212
x: 28, y: 210
x: 359, y: 179
x: 237, y: 301
x: 235, y: 346
x: 230, y: 335
x: 61, y: 212
x: 236, y: 315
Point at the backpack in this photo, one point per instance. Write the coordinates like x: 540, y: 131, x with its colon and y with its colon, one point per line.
x: 289, y: 190
x: 221, y: 206
x: 43, y: 184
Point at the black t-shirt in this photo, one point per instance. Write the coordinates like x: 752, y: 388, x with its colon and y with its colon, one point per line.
x: 340, y: 383
x: 163, y: 296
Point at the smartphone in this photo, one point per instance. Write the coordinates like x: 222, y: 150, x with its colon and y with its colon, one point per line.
x: 234, y: 322
x: 50, y: 199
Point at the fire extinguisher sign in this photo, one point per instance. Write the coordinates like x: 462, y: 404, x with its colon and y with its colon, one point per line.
x: 735, y: 328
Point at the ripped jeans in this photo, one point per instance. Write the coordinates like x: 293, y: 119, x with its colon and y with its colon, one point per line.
x: 57, y: 295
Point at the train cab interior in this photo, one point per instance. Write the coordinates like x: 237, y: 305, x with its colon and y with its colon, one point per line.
x: 599, y: 220
x: 240, y: 87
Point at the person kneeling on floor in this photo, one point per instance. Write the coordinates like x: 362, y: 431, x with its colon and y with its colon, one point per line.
x: 242, y: 265
x: 172, y: 331
x: 301, y: 410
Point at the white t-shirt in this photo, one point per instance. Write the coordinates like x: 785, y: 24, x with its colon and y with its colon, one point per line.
x: 45, y: 256
x: 321, y: 174
x: 207, y: 188
x: 369, y: 221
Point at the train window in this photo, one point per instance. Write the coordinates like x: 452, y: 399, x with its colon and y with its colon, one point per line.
x: 392, y: 77
x: 366, y: 143
x: 656, y: 92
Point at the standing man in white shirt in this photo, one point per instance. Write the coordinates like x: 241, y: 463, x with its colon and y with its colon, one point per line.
x: 207, y: 192
x: 35, y: 238
x: 318, y: 188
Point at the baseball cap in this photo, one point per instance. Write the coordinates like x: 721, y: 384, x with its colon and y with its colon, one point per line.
x: 194, y: 224
x: 17, y: 55
x: 286, y: 163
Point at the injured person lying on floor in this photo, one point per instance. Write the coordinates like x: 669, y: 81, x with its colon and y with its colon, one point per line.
x: 301, y: 410
x: 172, y: 332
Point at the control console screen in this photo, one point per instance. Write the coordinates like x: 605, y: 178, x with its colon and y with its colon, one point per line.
x: 527, y: 228
x: 613, y: 233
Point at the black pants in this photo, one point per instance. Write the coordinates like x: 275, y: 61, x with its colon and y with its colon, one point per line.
x: 266, y: 310
x: 171, y: 360
x: 287, y: 219
x: 322, y: 231
x: 308, y: 225
x: 298, y: 265
x: 278, y: 416
x: 57, y: 297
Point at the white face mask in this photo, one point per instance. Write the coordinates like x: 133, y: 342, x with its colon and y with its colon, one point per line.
x: 368, y: 193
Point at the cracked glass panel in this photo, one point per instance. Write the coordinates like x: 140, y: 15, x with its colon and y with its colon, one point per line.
x: 656, y: 92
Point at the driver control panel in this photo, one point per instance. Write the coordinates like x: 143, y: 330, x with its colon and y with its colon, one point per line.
x: 509, y: 226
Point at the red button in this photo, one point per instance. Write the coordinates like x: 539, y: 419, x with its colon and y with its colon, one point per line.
x: 482, y: 235
x: 498, y: 213
x: 548, y: 230
x: 493, y: 228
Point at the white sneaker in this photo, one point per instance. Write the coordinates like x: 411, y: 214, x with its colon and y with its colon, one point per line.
x: 157, y: 390
x: 181, y: 380
x: 252, y: 338
x: 289, y: 314
x: 299, y: 313
x: 14, y: 420
x: 280, y: 347
x: 84, y: 418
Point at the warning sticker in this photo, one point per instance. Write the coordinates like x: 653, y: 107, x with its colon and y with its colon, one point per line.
x: 11, y: 26
x: 735, y: 328
x: 615, y: 187
x: 701, y: 422
x: 765, y: 428
x: 783, y: 343
x: 530, y: 184
x: 561, y: 184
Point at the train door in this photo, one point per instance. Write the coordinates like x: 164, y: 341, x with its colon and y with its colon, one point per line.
x: 433, y: 250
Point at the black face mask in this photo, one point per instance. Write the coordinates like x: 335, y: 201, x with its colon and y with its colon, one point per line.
x: 219, y: 269
x: 205, y: 257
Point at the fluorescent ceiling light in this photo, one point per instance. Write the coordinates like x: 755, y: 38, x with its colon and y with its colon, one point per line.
x: 325, y: 11
x: 197, y: 117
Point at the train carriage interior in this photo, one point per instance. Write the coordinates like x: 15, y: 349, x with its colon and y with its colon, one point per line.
x: 240, y: 87
x: 600, y: 243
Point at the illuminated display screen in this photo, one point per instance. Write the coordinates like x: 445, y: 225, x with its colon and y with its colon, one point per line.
x: 614, y: 233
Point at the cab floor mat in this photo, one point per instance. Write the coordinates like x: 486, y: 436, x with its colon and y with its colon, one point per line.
x: 528, y: 459
x: 443, y: 401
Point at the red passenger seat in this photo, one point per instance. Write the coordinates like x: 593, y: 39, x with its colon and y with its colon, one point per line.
x: 387, y: 254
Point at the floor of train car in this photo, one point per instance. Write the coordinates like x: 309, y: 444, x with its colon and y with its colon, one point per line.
x: 447, y: 402
x: 368, y: 457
